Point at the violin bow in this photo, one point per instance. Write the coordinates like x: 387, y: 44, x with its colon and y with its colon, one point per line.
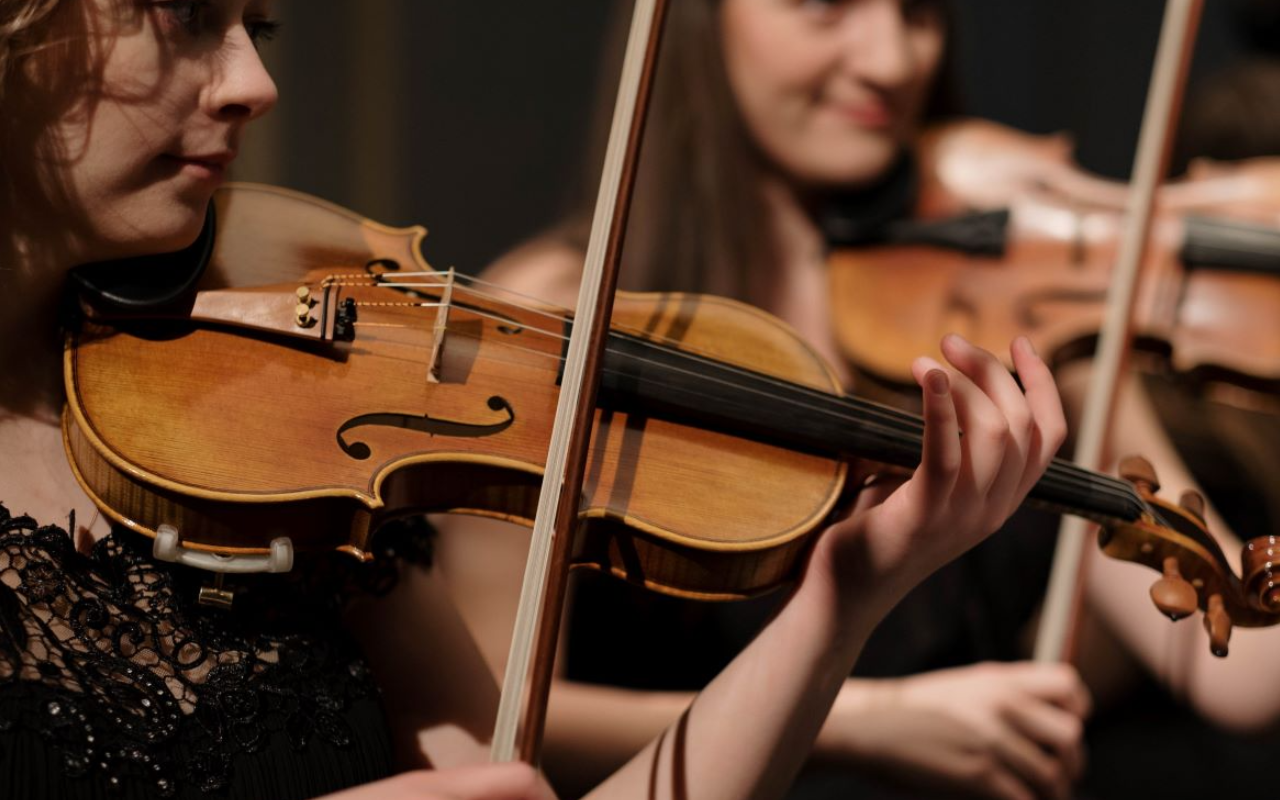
x: 1059, y: 622
x: 527, y: 683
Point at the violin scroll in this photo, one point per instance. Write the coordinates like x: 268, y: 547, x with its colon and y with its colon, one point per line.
x: 1259, y: 568
x: 1195, y: 572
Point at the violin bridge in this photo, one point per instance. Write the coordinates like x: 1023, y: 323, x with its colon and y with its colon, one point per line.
x: 441, y: 328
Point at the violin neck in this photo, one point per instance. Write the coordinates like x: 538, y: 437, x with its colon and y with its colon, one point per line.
x: 643, y: 377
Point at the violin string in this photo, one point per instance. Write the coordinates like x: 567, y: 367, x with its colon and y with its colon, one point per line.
x: 644, y: 338
x: 656, y: 342
x: 1079, y: 476
x: 1069, y: 476
x: 900, y: 422
x: 1062, y: 474
x: 892, y: 421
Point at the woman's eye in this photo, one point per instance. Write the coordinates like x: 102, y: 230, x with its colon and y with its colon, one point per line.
x: 262, y: 31
x: 823, y: 10
x: 190, y: 14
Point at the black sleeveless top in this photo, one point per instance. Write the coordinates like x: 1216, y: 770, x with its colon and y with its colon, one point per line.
x: 115, y: 683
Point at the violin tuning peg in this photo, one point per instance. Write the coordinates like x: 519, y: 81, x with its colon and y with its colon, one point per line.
x: 1138, y: 471
x: 1218, y: 623
x: 1172, y: 594
x: 1193, y: 503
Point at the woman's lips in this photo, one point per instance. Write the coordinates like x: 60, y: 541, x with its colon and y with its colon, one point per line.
x: 204, y: 167
x: 868, y: 115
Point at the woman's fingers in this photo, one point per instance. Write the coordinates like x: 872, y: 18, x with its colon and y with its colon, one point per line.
x: 998, y: 385
x: 985, y: 431
x: 941, y: 456
x: 986, y: 372
x: 1059, y: 684
x: 1035, y: 766
x: 986, y: 443
x: 1028, y: 419
x: 1055, y: 730
x: 1041, y: 392
x: 1053, y: 715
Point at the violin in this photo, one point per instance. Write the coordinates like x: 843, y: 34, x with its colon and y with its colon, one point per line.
x: 1011, y: 238
x: 324, y: 378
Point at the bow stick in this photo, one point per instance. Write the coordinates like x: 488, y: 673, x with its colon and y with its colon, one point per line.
x: 527, y: 684
x: 1059, y: 621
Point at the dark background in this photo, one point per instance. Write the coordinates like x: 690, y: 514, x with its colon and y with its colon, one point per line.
x: 470, y: 117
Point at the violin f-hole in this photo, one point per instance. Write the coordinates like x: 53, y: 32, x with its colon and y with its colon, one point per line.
x: 434, y: 427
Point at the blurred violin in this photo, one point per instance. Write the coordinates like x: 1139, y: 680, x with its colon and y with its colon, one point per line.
x: 1012, y: 238
x: 357, y: 384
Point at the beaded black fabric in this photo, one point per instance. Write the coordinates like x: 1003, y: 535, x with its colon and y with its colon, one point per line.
x: 111, y: 675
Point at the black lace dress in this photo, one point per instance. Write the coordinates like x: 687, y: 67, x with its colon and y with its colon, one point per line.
x: 115, y: 683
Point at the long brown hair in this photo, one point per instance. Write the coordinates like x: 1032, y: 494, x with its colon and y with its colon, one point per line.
x: 21, y: 32
x: 1233, y: 114
x: 51, y: 52
x: 698, y: 221
x: 51, y: 56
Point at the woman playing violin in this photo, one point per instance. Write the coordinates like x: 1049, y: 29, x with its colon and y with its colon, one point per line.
x: 121, y: 118
x: 766, y: 114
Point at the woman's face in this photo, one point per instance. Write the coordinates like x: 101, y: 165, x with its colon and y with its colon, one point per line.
x: 141, y: 153
x: 830, y: 90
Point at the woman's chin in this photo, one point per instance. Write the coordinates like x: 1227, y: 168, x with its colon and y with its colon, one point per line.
x: 178, y: 240
x: 156, y: 235
x: 843, y: 167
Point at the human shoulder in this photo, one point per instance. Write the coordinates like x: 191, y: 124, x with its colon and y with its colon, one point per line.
x: 546, y: 270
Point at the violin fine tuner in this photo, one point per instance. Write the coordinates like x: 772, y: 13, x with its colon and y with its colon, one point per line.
x: 302, y: 311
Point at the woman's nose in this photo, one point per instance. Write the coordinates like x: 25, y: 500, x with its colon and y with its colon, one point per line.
x: 878, y: 44
x: 242, y: 87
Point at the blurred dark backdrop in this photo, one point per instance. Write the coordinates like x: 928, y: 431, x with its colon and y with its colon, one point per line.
x: 471, y: 117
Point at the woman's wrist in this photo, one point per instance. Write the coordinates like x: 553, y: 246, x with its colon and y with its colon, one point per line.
x: 860, y: 591
x: 850, y: 733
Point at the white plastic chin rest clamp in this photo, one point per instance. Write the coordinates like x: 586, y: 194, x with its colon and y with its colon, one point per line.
x: 168, y: 547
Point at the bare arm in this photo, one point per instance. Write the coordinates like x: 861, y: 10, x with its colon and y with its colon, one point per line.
x: 993, y: 730
x: 748, y: 732
x: 1019, y: 737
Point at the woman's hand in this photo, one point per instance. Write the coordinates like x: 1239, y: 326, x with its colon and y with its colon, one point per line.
x: 986, y: 443
x: 1006, y: 731
x: 514, y: 781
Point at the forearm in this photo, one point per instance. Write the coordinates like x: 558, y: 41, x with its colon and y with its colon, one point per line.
x: 747, y: 734
x: 592, y: 730
x: 854, y: 725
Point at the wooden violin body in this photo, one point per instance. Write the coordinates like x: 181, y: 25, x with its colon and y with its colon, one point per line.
x: 1207, y: 305
x: 247, y: 425
x: 324, y: 379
